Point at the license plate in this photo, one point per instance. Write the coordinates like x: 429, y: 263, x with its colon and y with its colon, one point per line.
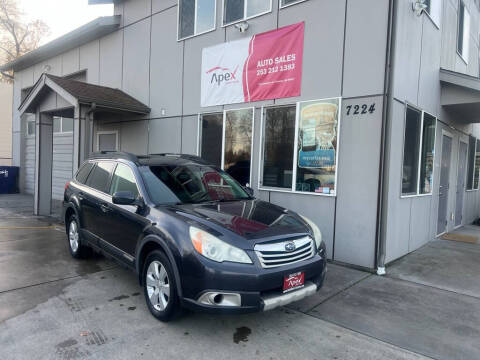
x: 293, y: 281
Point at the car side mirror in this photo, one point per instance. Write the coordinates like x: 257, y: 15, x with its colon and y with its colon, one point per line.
x: 249, y: 190
x: 124, y: 198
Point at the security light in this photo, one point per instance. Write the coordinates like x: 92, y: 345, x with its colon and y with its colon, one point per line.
x: 419, y: 6
x: 242, y: 27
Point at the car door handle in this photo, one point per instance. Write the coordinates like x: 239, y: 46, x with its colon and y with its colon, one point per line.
x: 105, y: 208
x: 81, y: 195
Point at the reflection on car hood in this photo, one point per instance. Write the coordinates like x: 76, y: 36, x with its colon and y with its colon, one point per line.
x: 251, y: 219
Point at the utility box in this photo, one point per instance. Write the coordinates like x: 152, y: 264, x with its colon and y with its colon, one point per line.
x: 9, y: 179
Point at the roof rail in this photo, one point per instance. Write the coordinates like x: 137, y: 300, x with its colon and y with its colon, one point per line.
x: 184, y: 156
x: 114, y: 155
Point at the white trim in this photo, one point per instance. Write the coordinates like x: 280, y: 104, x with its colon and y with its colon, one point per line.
x: 245, y: 17
x: 291, y: 4
x: 199, y: 133
x: 195, y: 22
x: 475, y: 167
x: 108, y: 132
x: 450, y: 135
x: 466, y: 11
x: 261, y: 151
x: 420, y: 149
x: 464, y: 182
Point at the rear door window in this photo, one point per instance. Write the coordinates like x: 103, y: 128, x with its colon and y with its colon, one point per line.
x: 99, y: 178
x: 123, y: 180
x: 82, y: 174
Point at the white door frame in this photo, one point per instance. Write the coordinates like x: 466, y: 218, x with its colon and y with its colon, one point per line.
x: 450, y: 135
x: 464, y: 181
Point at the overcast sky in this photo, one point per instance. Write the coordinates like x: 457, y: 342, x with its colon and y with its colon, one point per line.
x: 63, y: 16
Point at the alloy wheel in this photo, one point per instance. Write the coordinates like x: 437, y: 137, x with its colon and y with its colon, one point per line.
x: 73, y: 236
x: 158, y: 285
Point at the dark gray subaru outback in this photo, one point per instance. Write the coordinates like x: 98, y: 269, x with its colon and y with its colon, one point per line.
x: 195, y: 237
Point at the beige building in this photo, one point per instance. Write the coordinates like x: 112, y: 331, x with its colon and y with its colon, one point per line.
x: 6, y: 97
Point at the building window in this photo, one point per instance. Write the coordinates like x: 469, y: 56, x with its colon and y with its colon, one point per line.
x: 107, y: 141
x: 477, y: 166
x: 238, y: 10
x: 471, y: 161
x: 62, y: 125
x: 237, y: 153
x: 463, y: 37
x: 284, y: 3
x: 300, y: 147
x: 278, y: 147
x: 31, y: 127
x: 230, y: 135
x: 196, y: 17
x: 418, y: 152
x: 434, y: 10
x: 317, y: 131
x: 211, y: 138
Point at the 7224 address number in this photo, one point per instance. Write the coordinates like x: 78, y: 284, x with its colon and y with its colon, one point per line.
x: 360, y: 109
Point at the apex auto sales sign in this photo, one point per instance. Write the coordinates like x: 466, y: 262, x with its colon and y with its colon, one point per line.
x: 261, y: 67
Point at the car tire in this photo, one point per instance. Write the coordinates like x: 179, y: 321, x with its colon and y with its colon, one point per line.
x: 77, y: 249
x: 160, y: 287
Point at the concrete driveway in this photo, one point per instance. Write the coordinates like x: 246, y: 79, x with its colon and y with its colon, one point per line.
x: 55, y: 307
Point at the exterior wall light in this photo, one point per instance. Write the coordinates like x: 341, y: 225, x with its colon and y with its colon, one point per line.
x: 242, y: 27
x: 419, y: 6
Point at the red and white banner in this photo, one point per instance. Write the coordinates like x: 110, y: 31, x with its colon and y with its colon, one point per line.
x: 264, y: 66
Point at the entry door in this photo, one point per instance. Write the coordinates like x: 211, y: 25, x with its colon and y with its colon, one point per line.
x: 462, y: 163
x: 444, y: 184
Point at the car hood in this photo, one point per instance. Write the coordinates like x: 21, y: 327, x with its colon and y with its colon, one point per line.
x: 251, y: 219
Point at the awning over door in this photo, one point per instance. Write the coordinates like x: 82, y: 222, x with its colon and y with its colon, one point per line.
x: 80, y: 93
x: 461, y: 95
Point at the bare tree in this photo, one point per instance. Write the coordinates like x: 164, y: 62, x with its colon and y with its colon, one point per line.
x: 17, y: 35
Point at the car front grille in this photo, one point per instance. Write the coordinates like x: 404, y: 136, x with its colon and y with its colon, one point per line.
x: 276, y: 254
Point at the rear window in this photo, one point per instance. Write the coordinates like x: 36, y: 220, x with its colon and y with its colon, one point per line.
x: 82, y: 174
x: 99, y: 178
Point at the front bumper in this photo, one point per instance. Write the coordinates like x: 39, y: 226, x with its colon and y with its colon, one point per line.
x: 260, y: 289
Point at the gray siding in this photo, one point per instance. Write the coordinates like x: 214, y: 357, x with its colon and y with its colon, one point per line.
x: 62, y: 163
x: 421, y: 49
x: 29, y: 164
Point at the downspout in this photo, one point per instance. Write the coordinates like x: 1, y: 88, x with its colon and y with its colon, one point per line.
x: 89, y: 117
x: 382, y: 200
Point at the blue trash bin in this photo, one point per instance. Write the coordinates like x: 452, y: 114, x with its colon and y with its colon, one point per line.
x: 8, y: 179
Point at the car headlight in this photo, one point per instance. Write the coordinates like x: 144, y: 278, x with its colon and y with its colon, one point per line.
x: 317, y: 234
x: 215, y: 249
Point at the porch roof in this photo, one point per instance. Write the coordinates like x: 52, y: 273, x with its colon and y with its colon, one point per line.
x: 460, y: 94
x: 78, y: 92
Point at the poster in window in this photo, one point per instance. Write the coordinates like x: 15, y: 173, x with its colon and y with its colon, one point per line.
x: 317, y: 146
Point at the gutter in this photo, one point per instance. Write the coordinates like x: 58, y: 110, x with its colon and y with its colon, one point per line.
x: 382, y: 200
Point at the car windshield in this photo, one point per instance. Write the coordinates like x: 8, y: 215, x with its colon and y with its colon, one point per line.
x: 190, y: 183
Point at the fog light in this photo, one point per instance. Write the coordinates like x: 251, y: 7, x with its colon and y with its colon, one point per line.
x: 220, y: 299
